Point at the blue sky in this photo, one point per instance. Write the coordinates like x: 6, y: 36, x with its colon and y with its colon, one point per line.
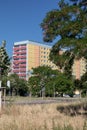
x: 20, y: 20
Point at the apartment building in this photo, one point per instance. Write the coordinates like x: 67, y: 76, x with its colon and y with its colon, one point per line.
x: 78, y: 68
x: 27, y: 55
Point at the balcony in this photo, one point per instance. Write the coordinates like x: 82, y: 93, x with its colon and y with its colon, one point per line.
x: 15, y: 71
x: 19, y: 56
x: 16, y: 61
x: 15, y: 53
x: 16, y: 48
x: 22, y: 56
x: 15, y: 67
x: 14, y: 56
x: 23, y: 65
x: 22, y: 52
x: 19, y: 61
x: 23, y: 47
x: 23, y: 69
x: 22, y: 74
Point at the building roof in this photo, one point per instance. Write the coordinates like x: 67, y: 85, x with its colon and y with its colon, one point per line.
x: 32, y: 42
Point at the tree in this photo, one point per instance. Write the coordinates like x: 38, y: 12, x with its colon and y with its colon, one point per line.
x: 18, y: 86
x: 23, y: 89
x: 4, y: 60
x: 69, y: 23
x: 50, y: 81
x: 84, y: 84
x: 14, y: 78
x: 60, y: 85
x: 41, y: 75
x: 34, y: 87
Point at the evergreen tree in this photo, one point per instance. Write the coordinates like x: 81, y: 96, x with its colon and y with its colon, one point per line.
x: 4, y: 60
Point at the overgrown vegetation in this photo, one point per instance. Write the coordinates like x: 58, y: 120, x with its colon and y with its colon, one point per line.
x: 49, y: 117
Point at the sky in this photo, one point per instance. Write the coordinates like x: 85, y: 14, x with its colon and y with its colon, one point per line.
x: 20, y: 20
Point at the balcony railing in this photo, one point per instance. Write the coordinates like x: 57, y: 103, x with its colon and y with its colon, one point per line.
x: 19, y: 61
x: 15, y: 67
x: 23, y: 47
x: 22, y: 69
x: 16, y: 48
x: 22, y: 65
x: 20, y: 52
x: 22, y: 74
x: 15, y: 71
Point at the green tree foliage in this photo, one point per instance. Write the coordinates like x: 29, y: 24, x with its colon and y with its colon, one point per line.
x: 84, y: 83
x: 44, y: 71
x: 34, y: 87
x: 18, y: 86
x: 4, y: 60
x: 23, y: 89
x: 41, y: 75
x: 51, y: 80
x: 69, y: 23
x: 81, y: 84
x: 14, y: 78
x: 60, y: 85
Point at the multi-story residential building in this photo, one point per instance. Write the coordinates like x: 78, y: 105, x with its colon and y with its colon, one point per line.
x: 28, y: 55
x: 79, y: 68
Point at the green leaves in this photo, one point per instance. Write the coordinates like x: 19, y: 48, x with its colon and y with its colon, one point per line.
x: 18, y: 86
x: 68, y: 22
x: 51, y: 80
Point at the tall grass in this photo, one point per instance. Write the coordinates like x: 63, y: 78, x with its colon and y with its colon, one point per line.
x: 39, y: 117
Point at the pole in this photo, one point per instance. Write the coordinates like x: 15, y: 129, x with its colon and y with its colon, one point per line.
x: 4, y: 96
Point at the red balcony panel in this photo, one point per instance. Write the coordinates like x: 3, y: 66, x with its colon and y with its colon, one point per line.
x: 22, y: 56
x: 19, y: 56
x: 23, y: 65
x: 22, y: 52
x: 15, y: 67
x: 19, y: 53
x: 20, y: 61
x: 15, y: 53
x: 14, y: 56
x: 22, y: 47
x: 23, y: 69
x: 16, y: 71
x: 16, y: 48
x: 22, y: 74
x: 16, y: 61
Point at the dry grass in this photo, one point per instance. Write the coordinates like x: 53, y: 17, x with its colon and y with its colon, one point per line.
x: 37, y: 117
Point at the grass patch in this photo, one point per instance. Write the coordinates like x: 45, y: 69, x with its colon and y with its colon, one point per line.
x: 42, y: 117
